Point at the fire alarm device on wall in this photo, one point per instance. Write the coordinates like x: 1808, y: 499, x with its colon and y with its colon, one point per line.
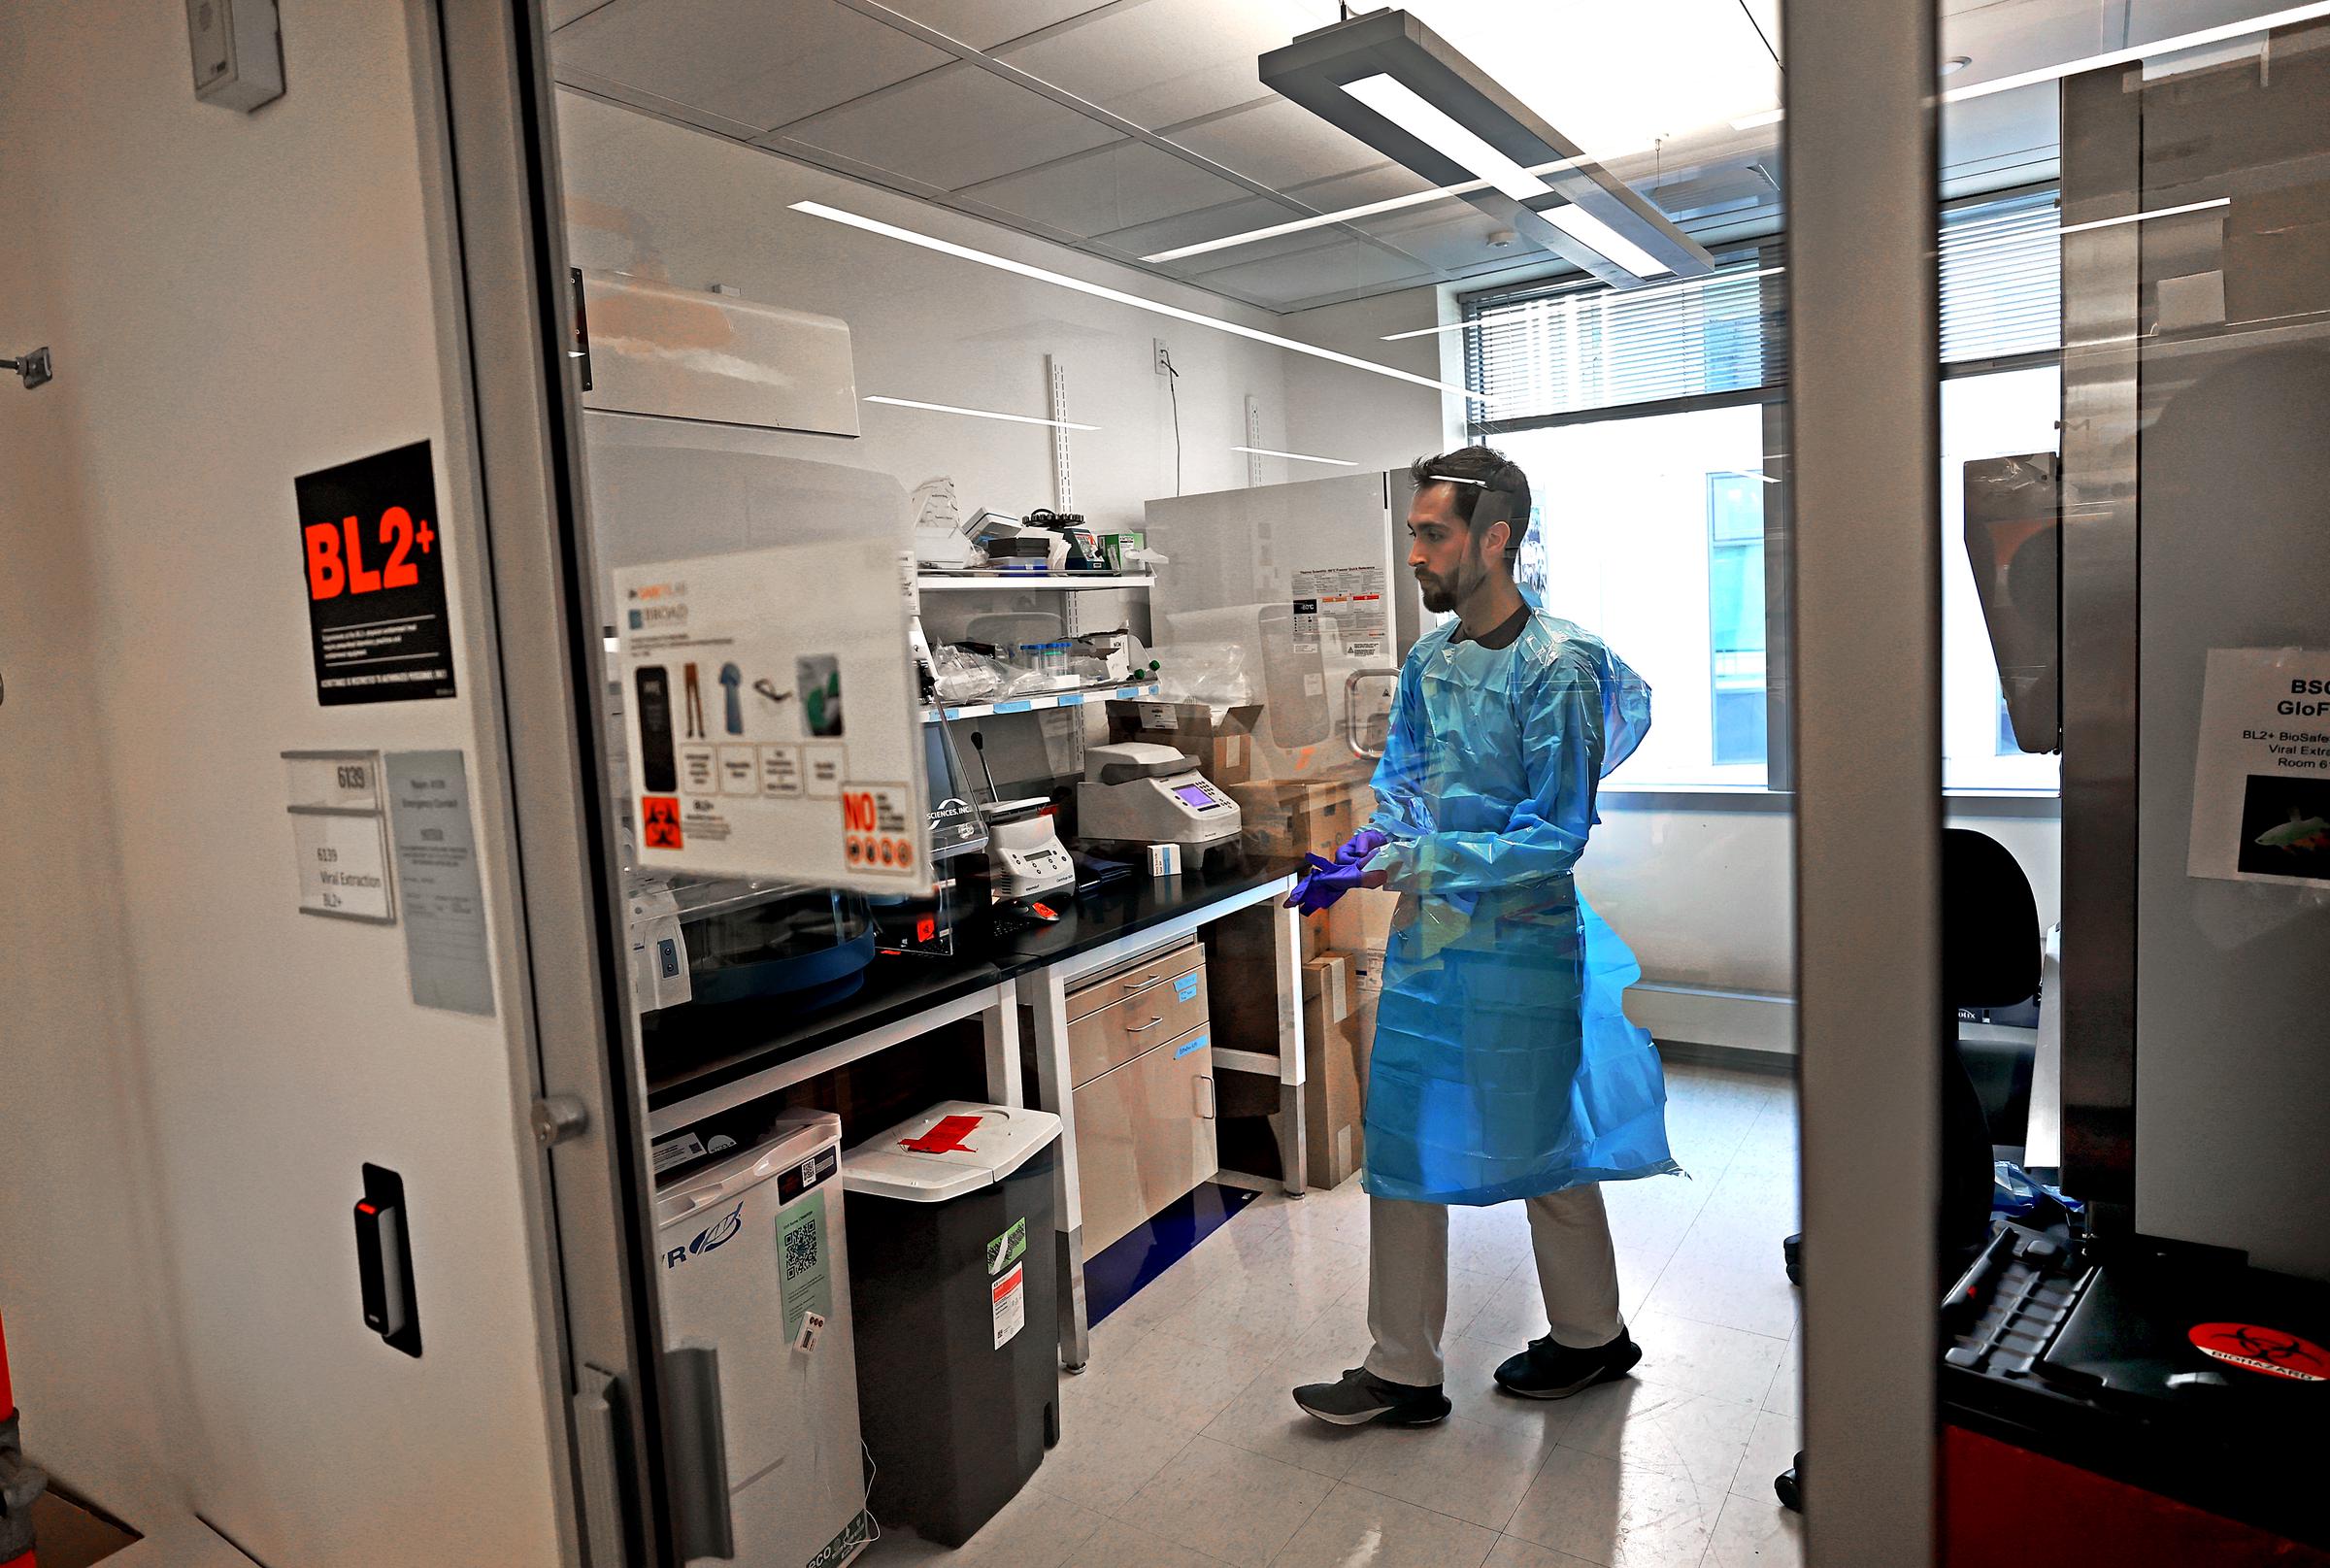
x: 238, y: 52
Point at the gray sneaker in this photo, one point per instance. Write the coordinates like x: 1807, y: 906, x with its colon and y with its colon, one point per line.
x: 1360, y: 1397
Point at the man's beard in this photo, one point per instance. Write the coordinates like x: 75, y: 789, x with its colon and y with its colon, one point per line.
x: 1442, y: 594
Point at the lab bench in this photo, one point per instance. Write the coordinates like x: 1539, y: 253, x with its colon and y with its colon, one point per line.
x: 704, y: 1061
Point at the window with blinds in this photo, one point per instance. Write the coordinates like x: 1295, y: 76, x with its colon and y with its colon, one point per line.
x: 1545, y: 351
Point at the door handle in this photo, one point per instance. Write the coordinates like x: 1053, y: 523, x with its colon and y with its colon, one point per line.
x: 1146, y: 1027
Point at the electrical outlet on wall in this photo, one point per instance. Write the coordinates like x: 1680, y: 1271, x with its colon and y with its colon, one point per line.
x: 1163, y: 356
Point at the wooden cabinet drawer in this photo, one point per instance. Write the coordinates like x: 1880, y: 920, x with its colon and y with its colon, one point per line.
x: 1145, y: 1136
x: 1133, y: 978
x: 1165, y: 1010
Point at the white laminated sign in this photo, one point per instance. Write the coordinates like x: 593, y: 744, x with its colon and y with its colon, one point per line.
x: 773, y: 724
x: 2261, y: 772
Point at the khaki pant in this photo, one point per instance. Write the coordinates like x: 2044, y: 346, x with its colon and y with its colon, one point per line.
x: 1408, y: 1278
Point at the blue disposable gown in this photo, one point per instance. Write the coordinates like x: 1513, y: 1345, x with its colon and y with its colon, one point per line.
x: 1504, y: 1063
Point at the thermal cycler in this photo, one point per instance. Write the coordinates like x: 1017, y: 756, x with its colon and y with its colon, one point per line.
x: 1136, y: 791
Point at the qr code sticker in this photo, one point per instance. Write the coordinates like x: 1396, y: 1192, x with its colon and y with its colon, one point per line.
x: 800, y: 1250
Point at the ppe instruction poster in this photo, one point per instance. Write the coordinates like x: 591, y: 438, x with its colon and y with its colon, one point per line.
x: 1350, y: 598
x: 772, y: 721
x: 2261, y: 779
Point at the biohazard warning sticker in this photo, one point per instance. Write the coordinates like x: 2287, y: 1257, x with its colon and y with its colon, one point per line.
x: 2269, y: 1350
x: 878, y: 829
x: 659, y: 822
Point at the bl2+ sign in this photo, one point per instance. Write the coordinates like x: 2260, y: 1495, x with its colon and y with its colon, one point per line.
x: 371, y: 560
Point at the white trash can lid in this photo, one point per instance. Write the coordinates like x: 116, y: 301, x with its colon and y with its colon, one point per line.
x: 954, y: 1147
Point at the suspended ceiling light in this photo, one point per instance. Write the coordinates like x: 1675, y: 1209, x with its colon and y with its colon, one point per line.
x: 1293, y: 456
x: 1393, y: 83
x: 979, y: 414
x: 1398, y: 103
x: 929, y: 241
x: 1587, y: 229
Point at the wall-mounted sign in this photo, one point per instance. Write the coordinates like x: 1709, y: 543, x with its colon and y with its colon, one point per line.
x: 2261, y: 778
x: 373, y: 560
x: 338, y: 839
x: 437, y: 876
x: 773, y: 726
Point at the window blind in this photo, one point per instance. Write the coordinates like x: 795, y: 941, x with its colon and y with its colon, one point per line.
x: 1564, y: 347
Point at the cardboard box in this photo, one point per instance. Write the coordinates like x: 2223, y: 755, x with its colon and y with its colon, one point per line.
x: 1361, y: 920
x: 1333, y: 1072
x: 1287, y: 818
x: 1222, y: 741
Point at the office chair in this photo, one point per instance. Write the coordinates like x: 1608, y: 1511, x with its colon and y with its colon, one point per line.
x: 1990, y: 957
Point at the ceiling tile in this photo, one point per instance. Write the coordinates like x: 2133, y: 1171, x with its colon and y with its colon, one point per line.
x: 954, y: 128
x: 1441, y: 237
x: 1160, y: 62
x: 1278, y: 143
x: 744, y: 61
x: 1348, y: 266
x: 1116, y: 187
x: 986, y: 24
x: 563, y: 11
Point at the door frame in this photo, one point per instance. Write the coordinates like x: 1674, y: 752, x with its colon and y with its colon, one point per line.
x: 592, y: 1117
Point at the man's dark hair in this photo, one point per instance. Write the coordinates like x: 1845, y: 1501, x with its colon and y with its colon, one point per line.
x: 1480, y: 472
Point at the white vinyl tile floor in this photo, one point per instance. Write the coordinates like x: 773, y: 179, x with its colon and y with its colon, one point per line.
x: 1181, y: 1448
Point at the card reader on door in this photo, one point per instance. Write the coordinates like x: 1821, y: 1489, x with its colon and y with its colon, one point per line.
x: 1139, y: 792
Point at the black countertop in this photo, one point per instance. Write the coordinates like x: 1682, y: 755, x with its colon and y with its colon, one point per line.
x: 691, y: 1049
x: 1129, y: 908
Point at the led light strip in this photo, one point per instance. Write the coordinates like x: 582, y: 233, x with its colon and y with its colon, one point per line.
x: 2125, y: 56
x: 979, y: 414
x: 1293, y: 456
x: 1345, y: 214
x: 1118, y: 296
x: 2141, y: 217
x: 1546, y: 307
x: 2095, y: 62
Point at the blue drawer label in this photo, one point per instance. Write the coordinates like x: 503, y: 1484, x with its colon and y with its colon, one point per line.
x: 1186, y: 988
x: 1188, y: 1046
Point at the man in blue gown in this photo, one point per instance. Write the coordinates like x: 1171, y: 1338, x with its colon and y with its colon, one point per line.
x: 1504, y: 1066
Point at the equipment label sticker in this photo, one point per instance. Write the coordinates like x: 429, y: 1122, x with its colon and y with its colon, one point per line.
x: 1010, y: 1296
x: 1008, y: 1248
x: 804, y: 1268
x: 374, y: 564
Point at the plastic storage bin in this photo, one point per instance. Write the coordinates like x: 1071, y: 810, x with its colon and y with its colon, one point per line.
x: 953, y: 1273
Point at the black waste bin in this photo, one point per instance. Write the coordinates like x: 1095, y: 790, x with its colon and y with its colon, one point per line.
x: 954, y: 1283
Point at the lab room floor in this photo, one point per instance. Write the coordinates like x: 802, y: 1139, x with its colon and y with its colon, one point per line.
x: 1181, y: 1448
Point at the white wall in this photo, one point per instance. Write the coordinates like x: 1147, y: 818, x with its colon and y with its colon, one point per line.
x: 195, y: 1071
x: 1333, y: 410
x: 663, y: 201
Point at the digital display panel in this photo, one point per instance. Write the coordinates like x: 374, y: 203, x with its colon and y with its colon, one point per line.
x: 1197, y: 795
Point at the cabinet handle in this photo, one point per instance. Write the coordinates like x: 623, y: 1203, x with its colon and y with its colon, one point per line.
x: 1146, y: 1027
x: 1136, y: 982
x: 1204, y: 1098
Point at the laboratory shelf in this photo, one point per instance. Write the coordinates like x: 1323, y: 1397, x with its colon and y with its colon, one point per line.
x: 1029, y: 705
x: 990, y: 581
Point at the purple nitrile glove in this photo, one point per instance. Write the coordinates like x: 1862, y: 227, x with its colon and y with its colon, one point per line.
x: 1324, y: 885
x: 1360, y: 847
